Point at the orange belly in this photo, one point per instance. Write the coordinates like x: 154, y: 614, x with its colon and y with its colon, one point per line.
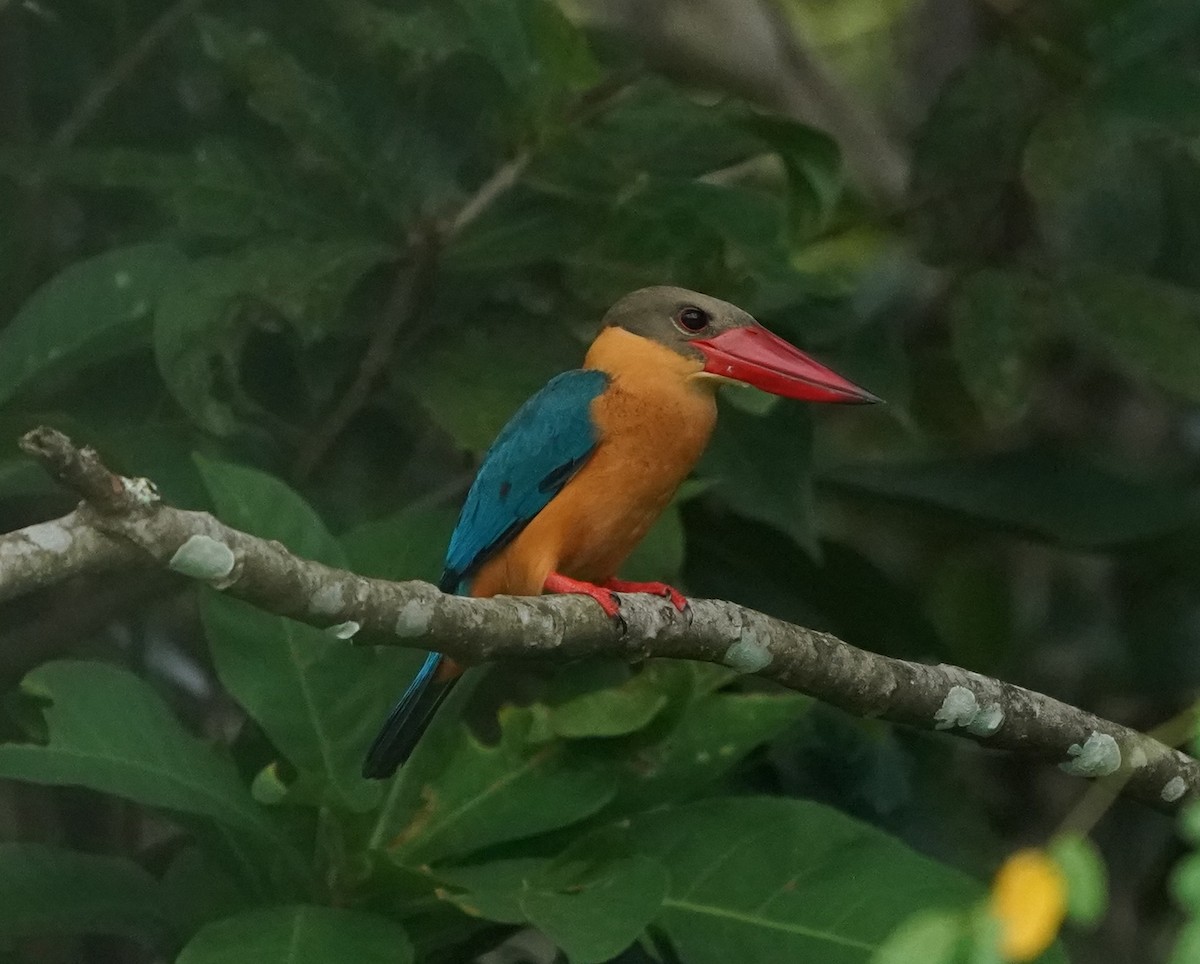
x: 653, y: 422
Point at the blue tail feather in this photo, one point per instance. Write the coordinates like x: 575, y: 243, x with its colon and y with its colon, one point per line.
x: 407, y: 721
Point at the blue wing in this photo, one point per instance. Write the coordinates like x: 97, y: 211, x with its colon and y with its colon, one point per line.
x: 535, y: 455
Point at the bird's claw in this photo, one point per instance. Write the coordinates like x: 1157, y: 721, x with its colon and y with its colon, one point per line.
x: 604, y: 596
x: 670, y: 593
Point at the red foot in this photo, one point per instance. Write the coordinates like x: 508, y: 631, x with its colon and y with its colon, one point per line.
x: 678, y: 600
x: 557, y: 582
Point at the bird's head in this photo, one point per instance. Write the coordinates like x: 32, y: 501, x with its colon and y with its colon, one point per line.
x: 730, y: 344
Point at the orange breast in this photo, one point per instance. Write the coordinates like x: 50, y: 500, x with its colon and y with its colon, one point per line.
x: 653, y: 422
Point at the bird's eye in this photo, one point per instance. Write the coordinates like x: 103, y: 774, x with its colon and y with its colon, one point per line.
x: 692, y: 319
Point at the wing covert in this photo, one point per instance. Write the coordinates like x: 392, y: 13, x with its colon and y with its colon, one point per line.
x: 544, y: 444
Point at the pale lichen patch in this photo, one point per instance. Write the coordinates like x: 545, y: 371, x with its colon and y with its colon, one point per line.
x: 345, y: 630
x: 987, y: 721
x: 327, y: 600
x: 51, y: 536
x: 1174, y: 789
x: 414, y: 618
x: 747, y: 655
x: 1098, y: 757
x: 203, y: 557
x: 959, y: 708
x: 142, y: 491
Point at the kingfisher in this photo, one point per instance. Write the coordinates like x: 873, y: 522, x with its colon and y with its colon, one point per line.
x: 574, y: 481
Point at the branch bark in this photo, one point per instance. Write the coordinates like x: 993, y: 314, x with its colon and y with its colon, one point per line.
x: 123, y: 523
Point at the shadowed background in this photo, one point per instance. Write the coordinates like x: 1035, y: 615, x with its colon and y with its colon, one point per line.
x: 265, y: 253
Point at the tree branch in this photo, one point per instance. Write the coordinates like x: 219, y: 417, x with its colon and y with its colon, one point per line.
x: 130, y: 525
x: 122, y: 69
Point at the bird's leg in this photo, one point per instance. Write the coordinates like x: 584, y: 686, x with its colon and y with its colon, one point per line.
x: 678, y: 600
x: 557, y: 582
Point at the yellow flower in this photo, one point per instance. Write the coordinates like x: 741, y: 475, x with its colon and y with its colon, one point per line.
x: 1029, y: 899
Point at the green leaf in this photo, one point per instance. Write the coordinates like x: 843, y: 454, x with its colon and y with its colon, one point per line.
x: 505, y: 361
x: 422, y: 34
x: 1148, y: 328
x: 1185, y: 883
x: 48, y: 891
x: 564, y: 61
x: 814, y: 170
x: 318, y: 698
x: 659, y: 556
x: 197, y: 890
x: 222, y: 189
x: 1087, y: 880
x: 968, y: 153
x: 972, y: 606
x: 306, y: 110
x: 1166, y: 93
x: 492, y: 890
x: 929, y: 937
x: 1055, y: 495
x: 409, y: 544
x: 1097, y: 189
x: 541, y: 55
x: 991, y: 329
x: 709, y: 735
x: 486, y: 795
x: 519, y: 230
x: 764, y: 879
x: 762, y: 466
x: 109, y: 731
x: 93, y: 310
x: 614, y: 711
x: 267, y: 507
x: 1131, y: 32
x: 594, y: 905
x: 299, y: 935
x: 1187, y: 945
x: 200, y: 323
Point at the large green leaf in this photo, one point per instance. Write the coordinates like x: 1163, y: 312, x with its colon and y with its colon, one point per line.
x: 1149, y: 328
x: 300, y: 935
x: 698, y: 740
x: 45, y: 890
x: 1096, y: 187
x: 659, y: 556
x: 307, y: 110
x: 504, y: 361
x: 409, y: 544
x: 200, y: 322
x: 1054, y: 495
x: 968, y: 153
x: 109, y: 731
x: 223, y: 188
x: 992, y: 331
x: 540, y: 54
x: 93, y: 310
x: 813, y: 165
x: 317, y: 697
x: 762, y: 465
x: 594, y: 904
x: 1126, y: 33
x: 486, y: 795
x: 763, y: 879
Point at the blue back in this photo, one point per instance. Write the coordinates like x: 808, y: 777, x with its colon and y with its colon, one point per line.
x: 533, y: 457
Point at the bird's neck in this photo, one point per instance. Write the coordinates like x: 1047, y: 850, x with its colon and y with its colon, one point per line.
x: 642, y: 365
x: 655, y: 403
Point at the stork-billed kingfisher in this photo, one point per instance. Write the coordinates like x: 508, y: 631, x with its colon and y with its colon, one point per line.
x: 586, y: 465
